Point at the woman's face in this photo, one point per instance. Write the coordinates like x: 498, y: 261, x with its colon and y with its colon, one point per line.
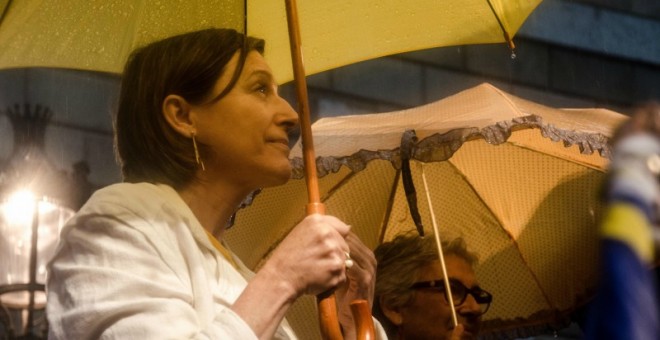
x: 247, y: 130
x: 428, y: 315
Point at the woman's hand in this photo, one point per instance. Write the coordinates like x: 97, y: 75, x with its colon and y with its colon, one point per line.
x: 311, y: 259
x: 360, y: 283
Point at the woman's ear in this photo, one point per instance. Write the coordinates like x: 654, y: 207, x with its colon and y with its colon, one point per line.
x: 177, y: 114
x: 392, y: 314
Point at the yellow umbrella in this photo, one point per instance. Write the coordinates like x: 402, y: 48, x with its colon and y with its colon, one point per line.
x: 98, y: 34
x: 517, y: 180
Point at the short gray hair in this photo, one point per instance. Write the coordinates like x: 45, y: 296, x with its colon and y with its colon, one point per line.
x: 399, y: 265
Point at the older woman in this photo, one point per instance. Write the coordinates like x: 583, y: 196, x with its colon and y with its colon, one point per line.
x: 199, y: 127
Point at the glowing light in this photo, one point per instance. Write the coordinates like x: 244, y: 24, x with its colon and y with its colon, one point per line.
x: 16, y: 219
x: 19, y: 209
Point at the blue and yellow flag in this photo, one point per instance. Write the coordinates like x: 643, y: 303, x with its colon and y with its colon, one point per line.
x: 626, y: 306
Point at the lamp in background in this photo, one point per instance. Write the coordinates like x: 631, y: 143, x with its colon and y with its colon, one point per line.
x: 35, y: 201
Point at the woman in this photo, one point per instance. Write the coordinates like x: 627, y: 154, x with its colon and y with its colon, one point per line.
x: 199, y: 127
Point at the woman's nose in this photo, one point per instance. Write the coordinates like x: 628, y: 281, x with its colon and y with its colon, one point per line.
x: 287, y: 115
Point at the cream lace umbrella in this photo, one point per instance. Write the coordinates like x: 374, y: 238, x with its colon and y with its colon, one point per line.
x: 518, y: 180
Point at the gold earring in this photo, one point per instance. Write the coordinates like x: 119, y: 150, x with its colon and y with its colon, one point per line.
x: 197, y: 158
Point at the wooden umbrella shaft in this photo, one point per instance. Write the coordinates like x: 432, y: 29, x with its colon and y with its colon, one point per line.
x: 303, y: 107
x: 326, y: 302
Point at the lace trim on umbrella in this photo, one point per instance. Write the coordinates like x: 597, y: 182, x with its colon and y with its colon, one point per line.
x: 440, y: 147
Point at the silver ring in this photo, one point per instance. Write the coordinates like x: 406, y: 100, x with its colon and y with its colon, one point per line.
x: 348, y: 262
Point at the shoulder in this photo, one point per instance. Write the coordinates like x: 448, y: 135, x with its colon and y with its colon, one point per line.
x: 139, y: 206
x: 132, y: 215
x: 138, y: 199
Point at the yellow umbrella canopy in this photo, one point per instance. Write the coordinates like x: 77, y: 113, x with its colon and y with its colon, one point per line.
x: 517, y: 180
x: 98, y: 34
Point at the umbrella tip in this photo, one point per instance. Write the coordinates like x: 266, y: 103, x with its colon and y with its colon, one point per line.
x: 512, y: 46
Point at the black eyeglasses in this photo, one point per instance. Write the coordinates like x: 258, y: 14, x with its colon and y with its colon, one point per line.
x: 458, y: 292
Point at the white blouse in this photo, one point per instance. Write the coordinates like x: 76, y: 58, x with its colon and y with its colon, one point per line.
x: 135, y: 263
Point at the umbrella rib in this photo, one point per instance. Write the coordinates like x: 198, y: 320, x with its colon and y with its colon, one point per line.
x: 390, y: 204
x: 337, y: 186
x: 323, y: 199
x: 390, y: 201
x: 507, y: 37
x: 245, y: 18
x: 513, y: 239
x: 4, y: 11
x: 572, y: 161
x: 508, y: 100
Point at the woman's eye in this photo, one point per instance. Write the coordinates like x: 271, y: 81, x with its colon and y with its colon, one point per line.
x: 262, y: 89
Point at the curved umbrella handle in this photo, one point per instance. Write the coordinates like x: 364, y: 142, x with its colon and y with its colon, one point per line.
x: 328, y: 318
x: 363, y: 321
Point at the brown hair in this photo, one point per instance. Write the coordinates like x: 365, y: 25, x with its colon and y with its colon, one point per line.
x: 399, y: 265
x: 188, y: 65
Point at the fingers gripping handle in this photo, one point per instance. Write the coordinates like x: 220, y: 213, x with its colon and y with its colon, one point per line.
x: 326, y: 301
